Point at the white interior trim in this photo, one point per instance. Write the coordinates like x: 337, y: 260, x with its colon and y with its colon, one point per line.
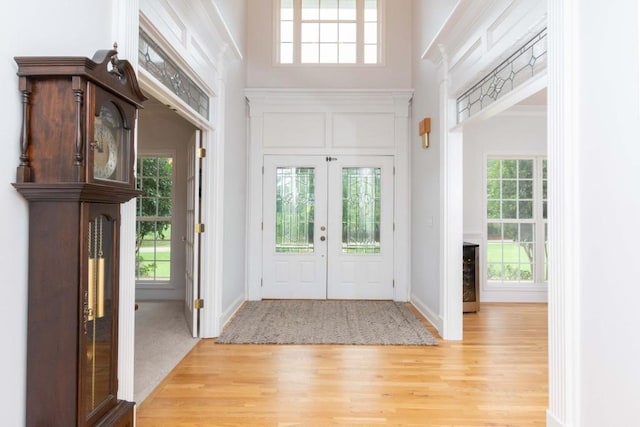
x: 451, y: 202
x: 428, y: 314
x: 523, y: 91
x: 213, y: 177
x: 564, y: 237
x: 125, y: 31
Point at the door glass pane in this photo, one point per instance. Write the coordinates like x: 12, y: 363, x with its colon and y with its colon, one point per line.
x: 361, y: 210
x: 99, y: 310
x: 295, y: 190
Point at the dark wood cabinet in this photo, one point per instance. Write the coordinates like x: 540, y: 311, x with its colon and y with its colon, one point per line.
x: 470, y: 278
x: 76, y: 168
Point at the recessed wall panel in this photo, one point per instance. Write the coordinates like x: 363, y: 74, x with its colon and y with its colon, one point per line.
x: 364, y: 130
x: 287, y: 130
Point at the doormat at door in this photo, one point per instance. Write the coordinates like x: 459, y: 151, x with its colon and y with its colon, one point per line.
x: 325, y: 322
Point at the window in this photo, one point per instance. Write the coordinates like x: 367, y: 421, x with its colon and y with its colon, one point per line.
x: 329, y: 32
x: 295, y: 209
x: 153, y: 226
x: 361, y: 207
x: 516, y: 201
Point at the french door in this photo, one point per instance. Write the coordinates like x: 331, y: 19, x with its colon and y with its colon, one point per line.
x: 328, y: 227
x: 192, y: 237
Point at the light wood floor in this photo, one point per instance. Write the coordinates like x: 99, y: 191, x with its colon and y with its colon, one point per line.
x: 497, y: 376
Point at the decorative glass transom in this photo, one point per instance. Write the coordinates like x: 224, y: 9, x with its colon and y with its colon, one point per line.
x: 522, y: 65
x: 295, y: 209
x: 153, y: 59
x: 361, y: 204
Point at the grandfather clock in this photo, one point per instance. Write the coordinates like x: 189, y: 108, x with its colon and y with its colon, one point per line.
x: 76, y: 169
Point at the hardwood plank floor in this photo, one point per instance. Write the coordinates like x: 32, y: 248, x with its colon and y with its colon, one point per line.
x: 497, y: 376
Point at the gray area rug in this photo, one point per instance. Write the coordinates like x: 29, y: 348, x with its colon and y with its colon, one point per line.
x: 325, y: 322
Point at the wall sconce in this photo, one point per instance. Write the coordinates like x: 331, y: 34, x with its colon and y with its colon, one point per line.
x: 425, y: 128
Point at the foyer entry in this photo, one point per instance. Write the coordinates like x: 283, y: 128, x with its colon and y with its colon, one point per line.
x: 327, y: 228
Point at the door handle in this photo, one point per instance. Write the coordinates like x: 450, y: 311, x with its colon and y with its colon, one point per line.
x: 322, y: 238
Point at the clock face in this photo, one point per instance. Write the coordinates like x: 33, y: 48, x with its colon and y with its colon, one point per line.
x: 105, y: 155
x: 109, y: 149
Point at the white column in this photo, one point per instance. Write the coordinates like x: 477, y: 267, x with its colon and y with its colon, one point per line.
x: 402, y: 217
x: 451, y: 213
x: 211, y: 258
x: 125, y: 33
x: 254, y: 199
x: 563, y: 211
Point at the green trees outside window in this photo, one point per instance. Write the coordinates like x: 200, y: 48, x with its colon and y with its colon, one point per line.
x: 516, y: 202
x: 153, y: 210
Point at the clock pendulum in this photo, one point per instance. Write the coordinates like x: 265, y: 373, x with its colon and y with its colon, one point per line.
x: 95, y: 294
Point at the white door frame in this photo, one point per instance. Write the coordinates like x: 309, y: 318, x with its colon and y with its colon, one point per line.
x: 322, y: 108
x: 126, y: 22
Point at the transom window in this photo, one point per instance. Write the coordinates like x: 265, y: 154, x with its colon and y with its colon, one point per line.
x: 516, y: 201
x: 154, y: 210
x: 329, y: 32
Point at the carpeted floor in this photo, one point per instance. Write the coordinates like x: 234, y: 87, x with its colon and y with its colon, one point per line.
x: 162, y: 340
x: 325, y: 322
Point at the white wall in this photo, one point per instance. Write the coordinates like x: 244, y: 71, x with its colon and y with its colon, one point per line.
x: 235, y: 190
x: 234, y: 13
x: 58, y: 26
x: 425, y: 164
x: 520, y: 131
x: 234, y: 151
x: 162, y: 129
x: 608, y: 129
x: 394, y: 73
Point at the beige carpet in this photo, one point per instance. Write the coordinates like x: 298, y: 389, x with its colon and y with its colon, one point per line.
x: 162, y: 340
x: 325, y: 322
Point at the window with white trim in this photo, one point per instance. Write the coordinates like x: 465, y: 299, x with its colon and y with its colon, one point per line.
x: 516, y: 220
x: 328, y: 32
x: 154, y: 210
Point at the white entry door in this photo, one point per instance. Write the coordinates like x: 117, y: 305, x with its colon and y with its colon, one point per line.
x: 328, y: 227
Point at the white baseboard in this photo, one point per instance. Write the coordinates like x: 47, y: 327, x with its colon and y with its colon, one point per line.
x: 431, y: 317
x: 525, y: 296
x: 552, y: 421
x: 229, y: 313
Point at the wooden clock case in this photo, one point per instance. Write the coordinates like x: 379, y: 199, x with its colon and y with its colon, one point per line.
x: 72, y: 337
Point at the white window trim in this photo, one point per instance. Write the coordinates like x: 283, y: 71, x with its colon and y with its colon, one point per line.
x: 359, y: 42
x: 496, y: 285
x: 159, y: 284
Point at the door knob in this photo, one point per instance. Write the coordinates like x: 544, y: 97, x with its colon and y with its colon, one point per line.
x: 323, y: 238
x: 322, y: 228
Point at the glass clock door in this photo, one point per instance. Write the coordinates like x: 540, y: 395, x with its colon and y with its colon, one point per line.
x: 100, y: 314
